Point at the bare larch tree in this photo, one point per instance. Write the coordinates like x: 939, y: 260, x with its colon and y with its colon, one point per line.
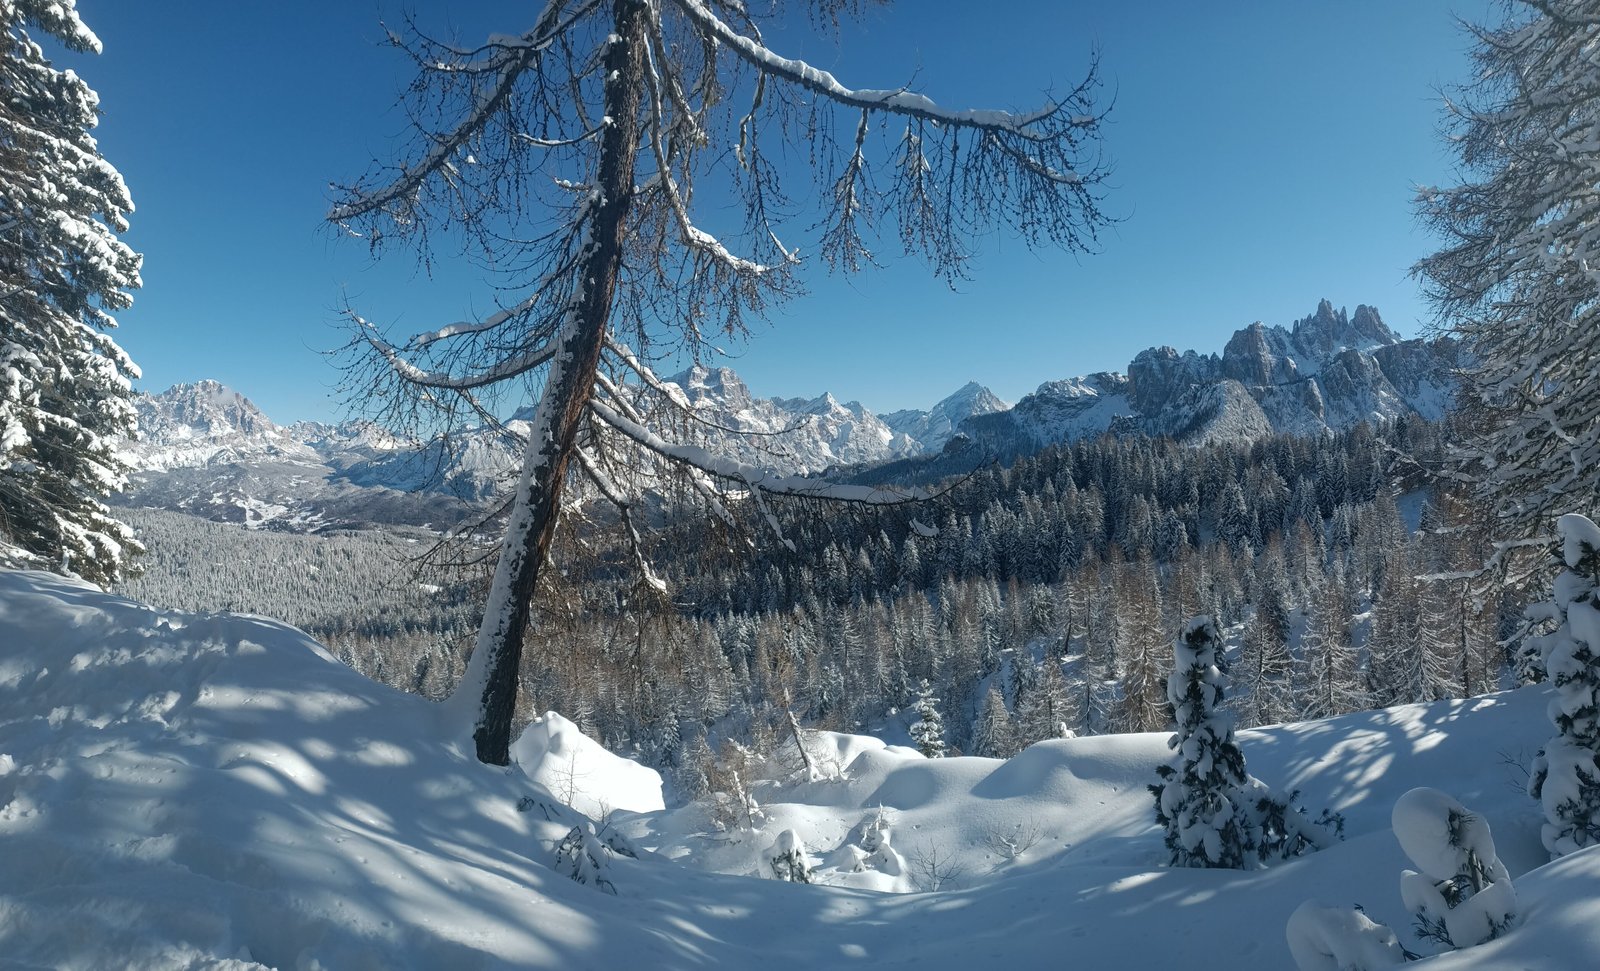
x: 590, y: 163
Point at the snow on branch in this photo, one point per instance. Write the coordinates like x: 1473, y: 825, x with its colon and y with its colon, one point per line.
x: 412, y: 374
x: 694, y: 237
x: 756, y: 478
x: 557, y: 142
x: 680, y: 401
x: 614, y: 495
x: 900, y: 101
x: 697, y: 479
x: 462, y: 327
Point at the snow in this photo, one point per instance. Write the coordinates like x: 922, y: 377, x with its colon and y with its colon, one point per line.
x: 1579, y: 538
x: 1327, y: 938
x: 213, y: 790
x: 1463, y: 886
x: 553, y: 752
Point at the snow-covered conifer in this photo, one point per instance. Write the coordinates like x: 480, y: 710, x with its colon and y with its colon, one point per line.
x: 1197, y: 799
x: 1463, y: 894
x: 1566, y: 773
x: 788, y: 858
x: 1215, y: 813
x: 65, y: 396
x: 877, y: 851
x: 584, y: 858
x: 1518, y: 278
x: 995, y: 735
x: 928, y: 730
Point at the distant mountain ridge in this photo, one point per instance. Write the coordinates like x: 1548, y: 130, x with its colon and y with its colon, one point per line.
x: 204, y: 448
x: 1326, y: 372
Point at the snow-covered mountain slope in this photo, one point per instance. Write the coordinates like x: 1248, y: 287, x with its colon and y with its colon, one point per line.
x: 207, y: 450
x: 1059, y: 411
x: 1328, y: 371
x: 819, y: 432
x: 205, y: 423
x: 213, y: 790
x: 931, y: 429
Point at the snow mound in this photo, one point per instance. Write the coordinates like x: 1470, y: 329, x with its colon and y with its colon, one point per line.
x: 556, y: 754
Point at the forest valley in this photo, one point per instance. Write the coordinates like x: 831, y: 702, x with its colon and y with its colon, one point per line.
x: 1036, y: 601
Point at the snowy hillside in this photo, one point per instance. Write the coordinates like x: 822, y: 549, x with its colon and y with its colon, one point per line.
x: 212, y: 790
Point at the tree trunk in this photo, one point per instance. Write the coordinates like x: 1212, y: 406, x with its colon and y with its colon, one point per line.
x: 487, y: 696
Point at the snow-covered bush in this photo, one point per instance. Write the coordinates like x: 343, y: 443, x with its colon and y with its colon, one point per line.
x: 583, y: 857
x: 1328, y: 938
x: 788, y: 858
x: 1463, y: 896
x: 1215, y: 813
x: 928, y: 730
x: 1566, y: 772
x: 876, y: 851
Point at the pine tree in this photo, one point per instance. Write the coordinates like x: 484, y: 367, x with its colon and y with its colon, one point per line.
x: 1328, y: 681
x: 65, y: 397
x: 1045, y: 707
x: 1566, y: 773
x: 928, y: 730
x: 1265, y: 669
x: 788, y: 858
x: 1142, y: 707
x: 584, y: 858
x: 994, y: 735
x: 1195, y: 801
x: 1214, y: 812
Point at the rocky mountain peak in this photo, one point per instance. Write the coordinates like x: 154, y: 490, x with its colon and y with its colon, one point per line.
x: 1328, y: 331
x: 206, y: 409
x: 193, y: 425
x: 934, y: 428
x: 1367, y: 324
x: 718, y: 384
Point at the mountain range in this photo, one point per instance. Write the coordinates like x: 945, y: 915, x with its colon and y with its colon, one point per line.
x: 207, y: 450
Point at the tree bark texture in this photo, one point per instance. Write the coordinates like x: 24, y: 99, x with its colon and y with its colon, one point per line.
x: 566, y: 395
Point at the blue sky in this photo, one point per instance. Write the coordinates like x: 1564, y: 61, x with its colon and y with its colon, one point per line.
x: 1265, y: 155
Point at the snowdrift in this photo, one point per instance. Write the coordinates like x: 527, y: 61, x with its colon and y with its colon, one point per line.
x: 196, y: 790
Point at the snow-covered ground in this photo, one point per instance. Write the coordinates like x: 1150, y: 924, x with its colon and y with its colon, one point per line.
x: 215, y: 791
